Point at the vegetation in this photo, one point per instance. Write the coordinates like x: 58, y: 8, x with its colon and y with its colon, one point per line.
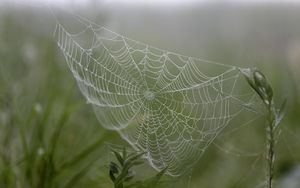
x: 122, y: 173
x: 259, y: 83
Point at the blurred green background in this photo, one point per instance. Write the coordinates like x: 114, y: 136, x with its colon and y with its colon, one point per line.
x: 50, y: 137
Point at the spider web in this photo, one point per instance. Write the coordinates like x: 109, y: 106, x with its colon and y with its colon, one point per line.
x: 170, y: 105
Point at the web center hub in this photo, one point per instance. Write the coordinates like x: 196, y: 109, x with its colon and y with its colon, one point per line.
x: 149, y: 95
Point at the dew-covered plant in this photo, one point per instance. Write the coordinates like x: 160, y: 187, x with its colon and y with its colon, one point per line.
x: 262, y: 87
x: 122, y: 173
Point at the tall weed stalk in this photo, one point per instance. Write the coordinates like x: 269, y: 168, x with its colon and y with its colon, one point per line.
x: 261, y: 86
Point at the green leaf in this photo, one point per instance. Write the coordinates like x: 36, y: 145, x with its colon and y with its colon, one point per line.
x: 264, y: 87
x: 119, y: 157
x: 124, y: 153
x: 128, y: 163
x: 135, y: 157
x: 249, y: 76
x: 270, y: 92
x: 113, y: 169
x: 259, y: 79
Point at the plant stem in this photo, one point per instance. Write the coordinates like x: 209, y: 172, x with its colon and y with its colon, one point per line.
x: 259, y: 83
x: 270, y: 147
